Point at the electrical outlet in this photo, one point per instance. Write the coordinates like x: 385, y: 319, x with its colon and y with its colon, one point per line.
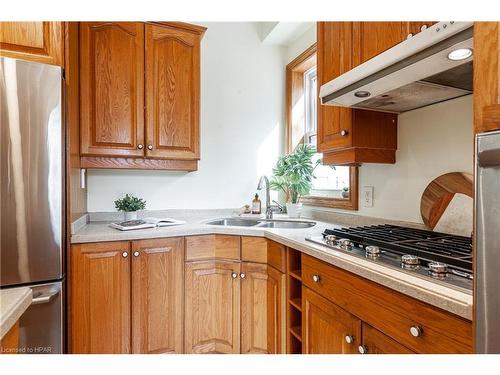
x: 367, y: 196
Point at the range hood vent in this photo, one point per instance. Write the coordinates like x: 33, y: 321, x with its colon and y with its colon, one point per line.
x: 413, y: 74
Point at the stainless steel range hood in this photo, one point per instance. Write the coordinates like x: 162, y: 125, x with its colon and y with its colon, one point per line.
x: 415, y: 73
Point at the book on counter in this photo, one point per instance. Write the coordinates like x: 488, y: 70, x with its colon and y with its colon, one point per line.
x: 148, y: 222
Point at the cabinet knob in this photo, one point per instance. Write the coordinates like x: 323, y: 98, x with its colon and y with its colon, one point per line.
x: 243, y: 275
x: 124, y: 254
x: 349, y: 339
x: 234, y: 275
x: 362, y: 349
x: 344, y: 133
x: 416, y: 331
x: 316, y: 278
x: 150, y: 147
x: 136, y: 253
x: 140, y: 146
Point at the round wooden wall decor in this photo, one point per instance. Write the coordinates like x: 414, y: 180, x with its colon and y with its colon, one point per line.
x: 439, y: 193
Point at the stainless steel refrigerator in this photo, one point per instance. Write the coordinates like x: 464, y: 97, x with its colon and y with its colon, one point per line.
x: 487, y: 230
x: 31, y: 192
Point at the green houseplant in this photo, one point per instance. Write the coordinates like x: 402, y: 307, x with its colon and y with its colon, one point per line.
x: 293, y: 175
x: 130, y: 205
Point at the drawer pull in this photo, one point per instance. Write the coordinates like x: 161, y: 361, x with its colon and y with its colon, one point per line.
x: 349, y: 339
x: 416, y: 331
x: 362, y: 349
x: 316, y: 278
x: 344, y: 133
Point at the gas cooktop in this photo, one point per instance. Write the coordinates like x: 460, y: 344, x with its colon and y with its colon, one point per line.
x: 441, y: 257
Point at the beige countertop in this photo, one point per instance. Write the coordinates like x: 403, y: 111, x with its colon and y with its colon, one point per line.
x: 454, y: 300
x: 13, y: 304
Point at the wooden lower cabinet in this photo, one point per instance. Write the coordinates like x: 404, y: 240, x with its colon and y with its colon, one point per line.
x: 100, y: 298
x: 325, y: 326
x: 9, y: 344
x: 212, y: 307
x: 375, y: 342
x: 127, y: 297
x: 158, y: 295
x: 254, y: 308
x: 276, y: 311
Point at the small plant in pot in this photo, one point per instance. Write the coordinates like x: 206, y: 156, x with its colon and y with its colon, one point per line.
x: 293, y: 175
x: 130, y: 205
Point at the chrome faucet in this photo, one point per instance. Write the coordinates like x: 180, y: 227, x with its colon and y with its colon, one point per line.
x: 269, y: 208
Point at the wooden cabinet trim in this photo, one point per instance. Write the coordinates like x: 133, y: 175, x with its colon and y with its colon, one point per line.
x: 100, y: 162
x: 375, y: 342
x: 276, y: 311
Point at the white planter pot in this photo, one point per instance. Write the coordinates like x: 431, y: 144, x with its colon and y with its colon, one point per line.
x: 294, y: 210
x: 132, y: 215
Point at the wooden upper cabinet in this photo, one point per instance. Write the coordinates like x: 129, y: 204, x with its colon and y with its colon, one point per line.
x: 334, y: 57
x: 100, y: 298
x: 212, y: 307
x: 373, y: 38
x: 254, y: 308
x: 41, y: 42
x: 351, y: 136
x: 112, y: 88
x: 375, y: 342
x: 325, y: 326
x: 158, y: 295
x: 172, y: 92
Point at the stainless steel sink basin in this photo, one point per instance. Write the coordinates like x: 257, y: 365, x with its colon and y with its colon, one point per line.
x: 287, y: 224
x: 235, y: 222
x: 278, y: 224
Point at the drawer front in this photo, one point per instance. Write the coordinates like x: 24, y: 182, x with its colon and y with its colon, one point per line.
x: 212, y: 246
x: 389, y: 311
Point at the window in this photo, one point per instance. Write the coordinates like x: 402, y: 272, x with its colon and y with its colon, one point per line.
x: 302, y: 109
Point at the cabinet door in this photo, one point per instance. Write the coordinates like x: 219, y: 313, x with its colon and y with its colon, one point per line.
x: 276, y: 311
x: 373, y: 38
x: 172, y: 92
x: 157, y: 295
x: 33, y: 41
x: 375, y: 342
x: 100, y: 298
x: 334, y: 57
x: 112, y: 88
x: 325, y: 326
x: 253, y: 308
x: 212, y: 307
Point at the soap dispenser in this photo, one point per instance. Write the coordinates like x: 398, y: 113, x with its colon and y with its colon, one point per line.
x: 256, y: 205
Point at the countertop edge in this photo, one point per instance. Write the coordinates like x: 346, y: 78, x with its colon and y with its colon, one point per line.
x: 11, y: 316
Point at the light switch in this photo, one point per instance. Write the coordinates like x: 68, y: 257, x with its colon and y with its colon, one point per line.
x: 367, y: 196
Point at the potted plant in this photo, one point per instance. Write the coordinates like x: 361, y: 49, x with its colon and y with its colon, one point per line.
x: 293, y: 175
x: 345, y: 192
x: 130, y: 205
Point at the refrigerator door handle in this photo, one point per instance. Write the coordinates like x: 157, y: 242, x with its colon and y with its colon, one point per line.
x: 44, y: 298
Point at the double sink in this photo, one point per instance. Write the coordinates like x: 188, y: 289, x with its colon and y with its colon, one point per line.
x: 264, y: 223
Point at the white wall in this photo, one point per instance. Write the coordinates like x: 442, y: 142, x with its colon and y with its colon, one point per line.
x: 431, y: 141
x: 242, y: 115
x: 299, y: 45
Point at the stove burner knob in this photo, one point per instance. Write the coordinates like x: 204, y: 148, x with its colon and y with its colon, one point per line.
x: 438, y: 269
x: 410, y: 260
x: 372, y: 251
x: 330, y: 239
x: 345, y: 243
x: 416, y: 331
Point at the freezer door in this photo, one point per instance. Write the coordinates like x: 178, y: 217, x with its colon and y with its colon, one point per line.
x: 41, y: 327
x: 487, y: 230
x: 31, y: 182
